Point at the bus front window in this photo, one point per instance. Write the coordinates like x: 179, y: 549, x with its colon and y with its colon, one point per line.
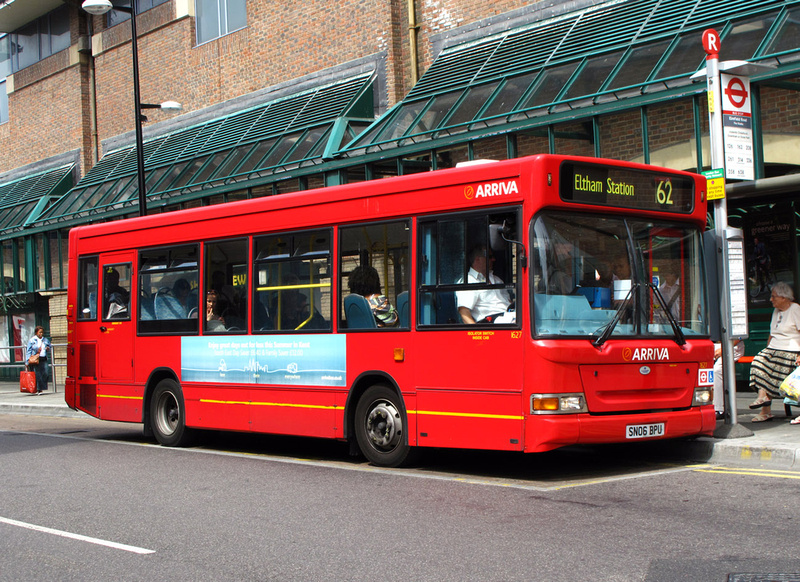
x: 598, y: 276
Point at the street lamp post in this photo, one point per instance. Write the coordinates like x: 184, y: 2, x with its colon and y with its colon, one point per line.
x: 98, y: 8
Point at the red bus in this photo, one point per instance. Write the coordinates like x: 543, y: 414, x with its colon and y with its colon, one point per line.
x: 520, y: 305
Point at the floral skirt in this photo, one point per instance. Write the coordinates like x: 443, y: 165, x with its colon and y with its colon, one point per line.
x: 769, y: 368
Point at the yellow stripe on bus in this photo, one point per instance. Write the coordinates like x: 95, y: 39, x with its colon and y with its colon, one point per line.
x: 323, y: 407
x: 284, y: 404
x: 119, y: 397
x: 467, y: 414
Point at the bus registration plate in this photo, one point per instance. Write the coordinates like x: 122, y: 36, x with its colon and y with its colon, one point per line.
x: 644, y: 431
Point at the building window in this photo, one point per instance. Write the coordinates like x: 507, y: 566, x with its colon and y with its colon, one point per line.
x: 39, y: 39
x: 216, y: 18
x: 3, y: 102
x: 115, y: 16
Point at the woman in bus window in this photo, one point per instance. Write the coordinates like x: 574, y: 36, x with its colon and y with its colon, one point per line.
x: 365, y: 281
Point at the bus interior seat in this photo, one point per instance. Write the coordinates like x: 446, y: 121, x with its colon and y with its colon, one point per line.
x: 167, y: 306
x: 446, y: 311
x: 358, y: 313
x: 146, y: 308
x: 402, y: 308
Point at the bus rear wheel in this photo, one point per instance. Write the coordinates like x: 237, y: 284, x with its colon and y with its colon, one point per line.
x: 168, y: 415
x: 380, y: 427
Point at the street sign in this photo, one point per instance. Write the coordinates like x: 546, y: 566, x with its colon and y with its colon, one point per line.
x: 715, y: 184
x: 737, y: 127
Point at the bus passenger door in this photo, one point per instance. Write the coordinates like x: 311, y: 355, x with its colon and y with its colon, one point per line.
x: 116, y: 321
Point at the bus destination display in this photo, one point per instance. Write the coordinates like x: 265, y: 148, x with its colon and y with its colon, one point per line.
x: 626, y: 188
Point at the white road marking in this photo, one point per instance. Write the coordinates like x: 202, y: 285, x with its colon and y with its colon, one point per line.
x: 74, y: 536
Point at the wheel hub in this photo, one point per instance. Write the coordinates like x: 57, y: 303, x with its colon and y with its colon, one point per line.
x: 384, y: 426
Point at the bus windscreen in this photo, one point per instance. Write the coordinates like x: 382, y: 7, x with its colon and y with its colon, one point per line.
x: 626, y: 188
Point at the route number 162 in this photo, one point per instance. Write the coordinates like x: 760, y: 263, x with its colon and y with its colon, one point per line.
x: 664, y: 192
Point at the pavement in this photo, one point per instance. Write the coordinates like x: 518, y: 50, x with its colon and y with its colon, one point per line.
x: 769, y: 445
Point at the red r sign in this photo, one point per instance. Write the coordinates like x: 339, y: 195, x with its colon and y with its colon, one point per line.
x: 711, y: 43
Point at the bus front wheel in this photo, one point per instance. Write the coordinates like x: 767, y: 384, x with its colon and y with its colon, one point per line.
x: 168, y: 415
x: 380, y: 427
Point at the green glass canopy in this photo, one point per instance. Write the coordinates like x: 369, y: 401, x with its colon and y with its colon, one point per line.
x: 23, y: 199
x: 237, y: 151
x: 599, y: 56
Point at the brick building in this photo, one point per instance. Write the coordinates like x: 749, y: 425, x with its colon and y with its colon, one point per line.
x: 279, y: 97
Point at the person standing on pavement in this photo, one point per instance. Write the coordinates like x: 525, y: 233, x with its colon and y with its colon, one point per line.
x: 39, y: 345
x: 782, y: 354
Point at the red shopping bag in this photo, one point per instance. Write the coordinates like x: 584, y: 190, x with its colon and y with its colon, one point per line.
x: 27, y: 381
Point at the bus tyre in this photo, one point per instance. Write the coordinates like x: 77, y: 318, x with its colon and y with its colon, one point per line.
x: 168, y: 415
x: 380, y: 427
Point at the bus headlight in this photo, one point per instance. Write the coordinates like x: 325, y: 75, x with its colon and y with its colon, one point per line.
x: 557, y: 404
x: 703, y: 396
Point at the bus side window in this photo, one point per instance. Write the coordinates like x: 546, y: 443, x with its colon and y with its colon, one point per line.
x: 374, y: 264
x: 116, y: 291
x: 87, y: 288
x: 467, y: 271
x: 168, y: 290
x: 292, y: 287
x: 224, y: 308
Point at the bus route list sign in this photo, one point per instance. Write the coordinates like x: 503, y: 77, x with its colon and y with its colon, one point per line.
x: 283, y: 360
x: 737, y: 127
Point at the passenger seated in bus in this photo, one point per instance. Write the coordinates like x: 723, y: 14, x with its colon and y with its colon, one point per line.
x: 486, y: 305
x: 365, y: 281
x: 116, y: 297
x: 670, y: 290
x: 181, y: 291
x: 215, y: 321
x: 560, y: 280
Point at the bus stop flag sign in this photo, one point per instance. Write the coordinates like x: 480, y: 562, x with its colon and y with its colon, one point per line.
x: 715, y: 184
x: 737, y: 127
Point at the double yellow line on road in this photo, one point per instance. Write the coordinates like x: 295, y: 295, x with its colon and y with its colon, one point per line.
x: 754, y: 472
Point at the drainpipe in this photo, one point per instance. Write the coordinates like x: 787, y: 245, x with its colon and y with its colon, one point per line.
x: 413, y: 29
x: 92, y: 93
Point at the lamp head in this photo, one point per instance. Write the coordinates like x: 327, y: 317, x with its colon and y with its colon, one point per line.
x: 97, y: 7
x: 171, y: 106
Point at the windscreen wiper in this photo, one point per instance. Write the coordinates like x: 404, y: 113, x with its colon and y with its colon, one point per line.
x: 609, y: 327
x: 679, y: 338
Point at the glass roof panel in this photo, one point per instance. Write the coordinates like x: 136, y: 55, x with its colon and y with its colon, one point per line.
x: 788, y: 36
x: 509, y: 95
x: 592, y: 76
x: 638, y: 65
x: 438, y: 109
x: 550, y: 84
x: 683, y: 60
x: 472, y: 103
x: 402, y: 121
x: 745, y: 37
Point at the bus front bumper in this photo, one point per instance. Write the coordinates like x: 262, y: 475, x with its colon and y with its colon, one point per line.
x: 547, y: 432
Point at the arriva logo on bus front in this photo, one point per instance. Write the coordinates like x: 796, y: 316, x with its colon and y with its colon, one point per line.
x: 645, y: 354
x: 491, y: 189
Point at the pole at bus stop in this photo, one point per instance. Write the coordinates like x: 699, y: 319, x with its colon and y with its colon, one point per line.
x: 711, y: 45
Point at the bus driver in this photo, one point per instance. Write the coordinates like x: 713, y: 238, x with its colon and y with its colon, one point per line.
x: 486, y: 305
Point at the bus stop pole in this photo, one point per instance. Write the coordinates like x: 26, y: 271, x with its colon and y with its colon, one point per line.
x: 711, y: 44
